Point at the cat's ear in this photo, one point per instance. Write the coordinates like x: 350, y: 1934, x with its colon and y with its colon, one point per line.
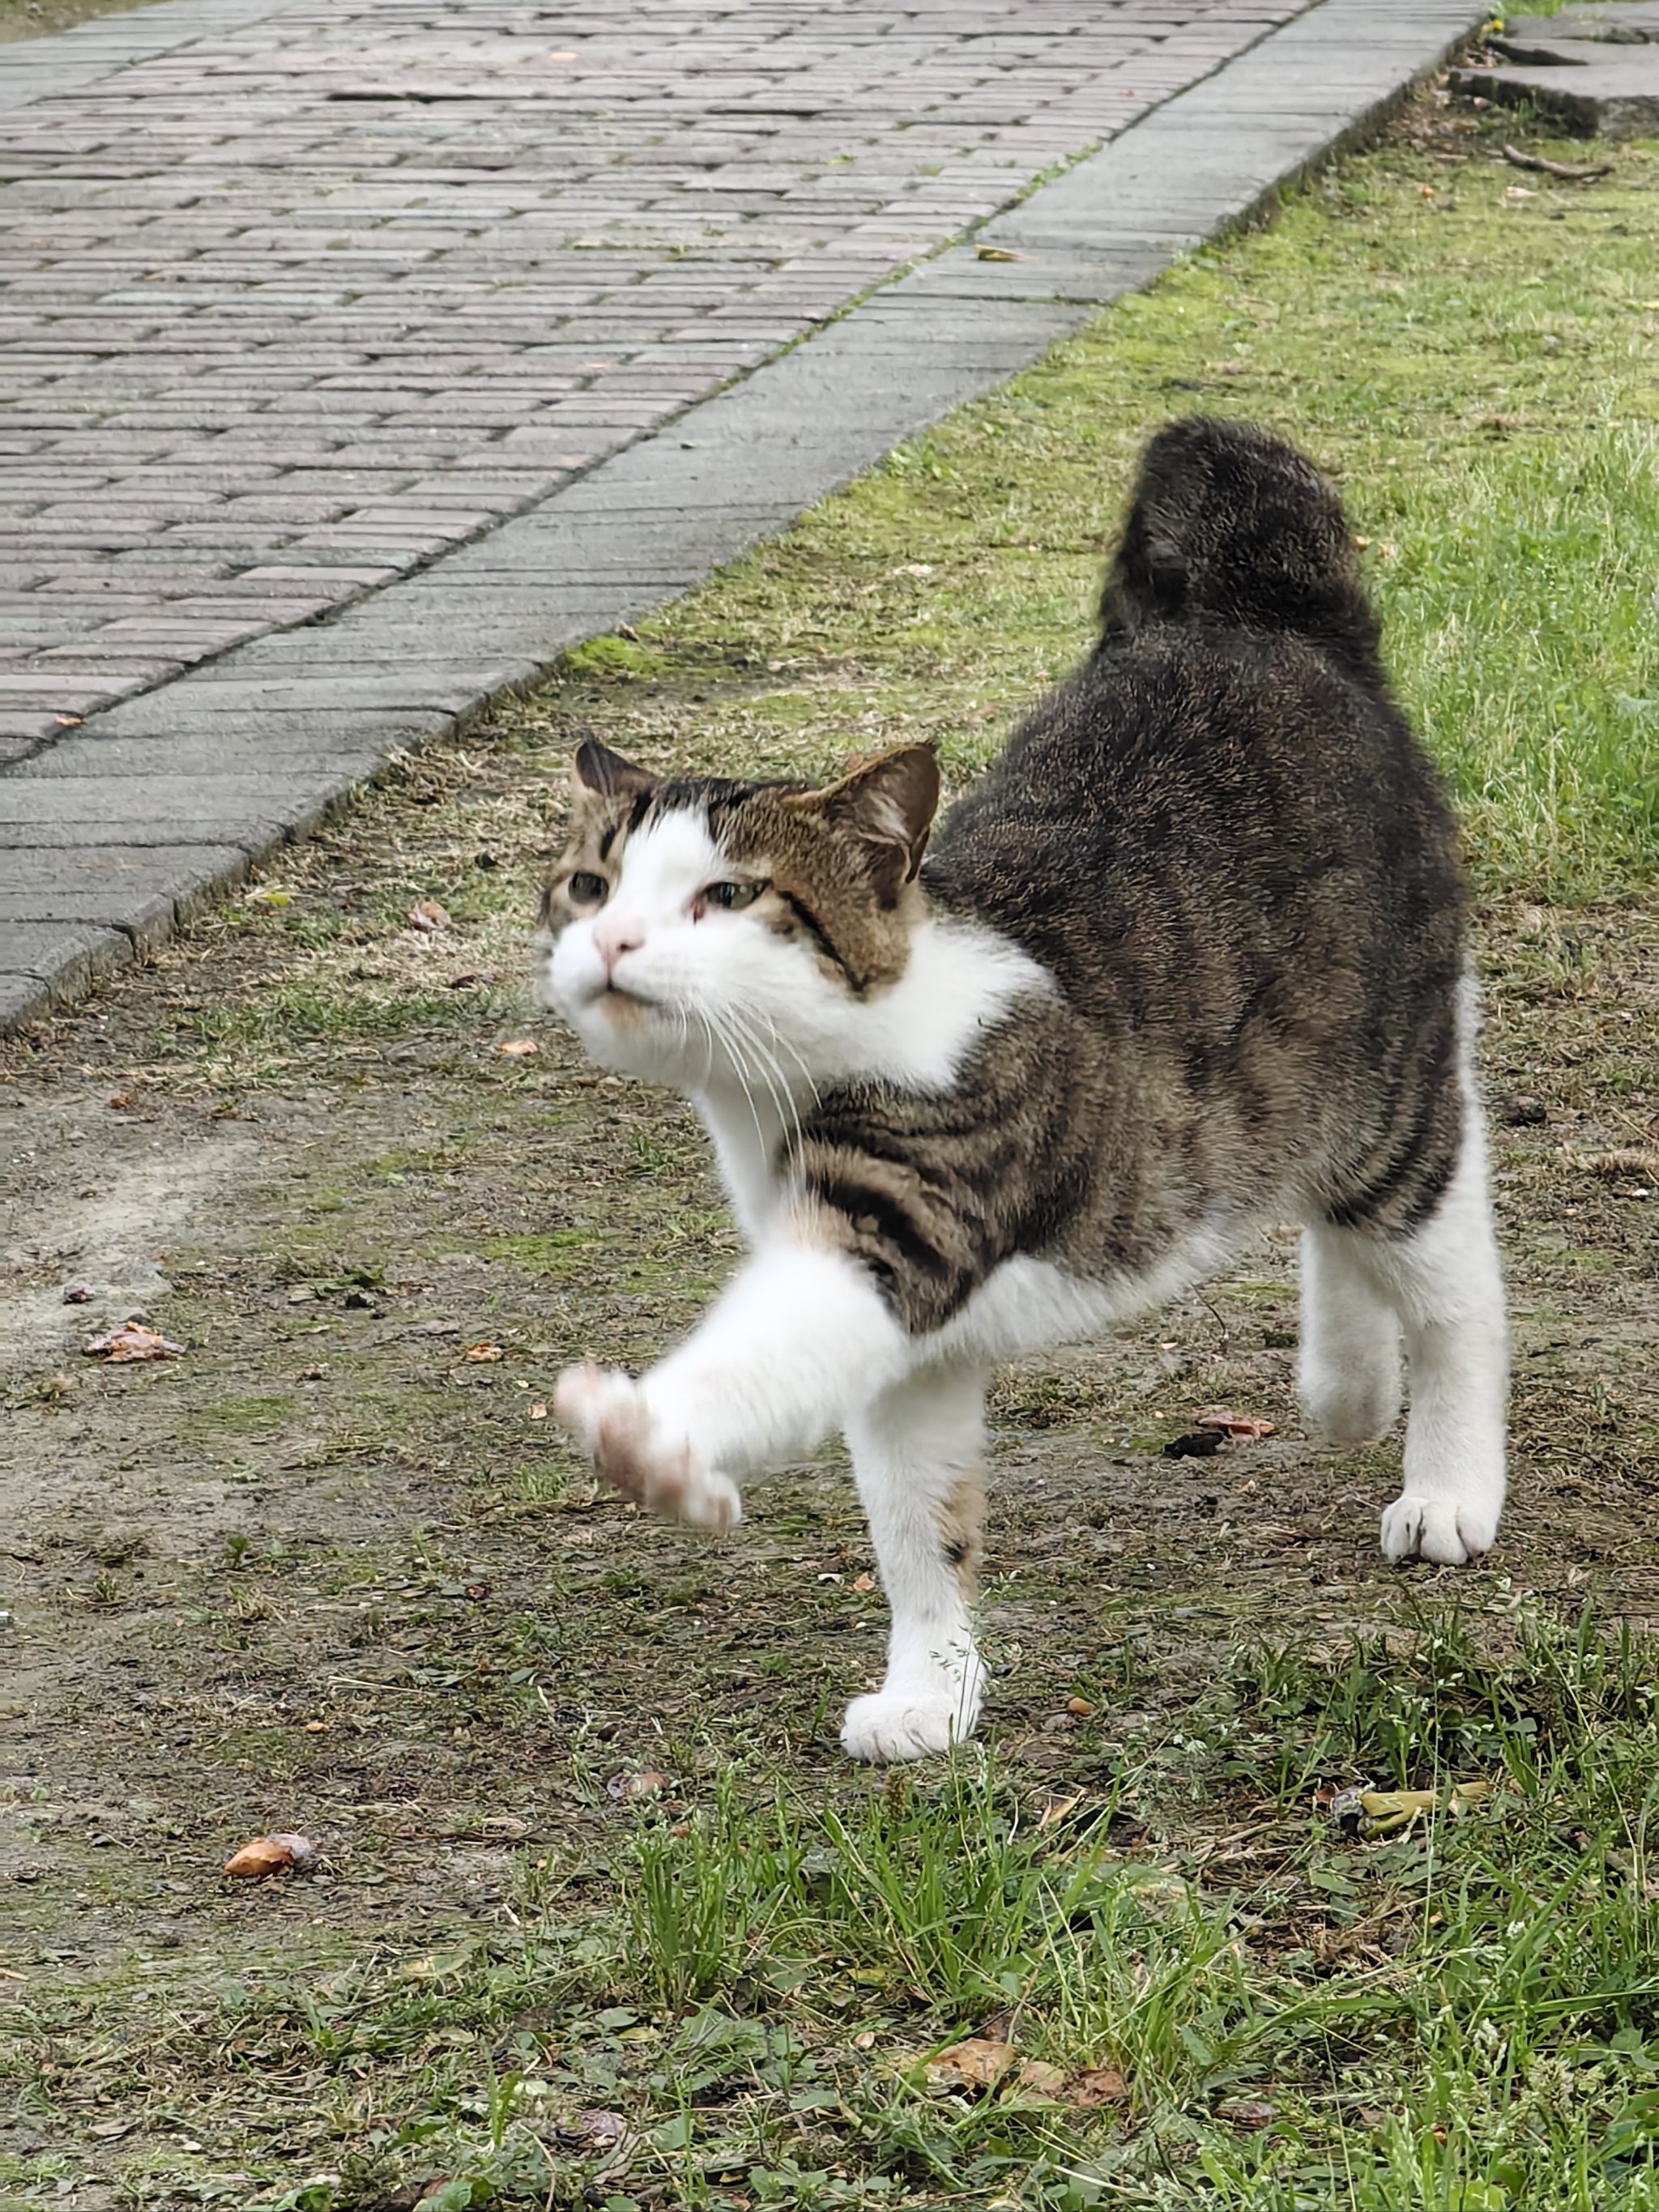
x: 890, y: 803
x: 598, y: 773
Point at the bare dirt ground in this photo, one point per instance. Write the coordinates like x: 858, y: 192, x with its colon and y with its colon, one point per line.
x: 333, y: 1570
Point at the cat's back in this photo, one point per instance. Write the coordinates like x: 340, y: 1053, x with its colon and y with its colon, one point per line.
x: 1201, y: 811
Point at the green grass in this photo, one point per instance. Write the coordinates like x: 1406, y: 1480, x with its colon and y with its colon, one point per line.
x: 762, y: 2008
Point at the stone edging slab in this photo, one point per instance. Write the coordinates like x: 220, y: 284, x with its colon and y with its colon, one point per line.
x: 115, y: 834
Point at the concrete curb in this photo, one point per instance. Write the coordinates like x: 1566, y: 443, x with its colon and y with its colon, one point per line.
x: 114, y: 835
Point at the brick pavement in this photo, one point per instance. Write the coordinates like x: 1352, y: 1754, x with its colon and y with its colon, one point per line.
x: 293, y: 308
x: 303, y: 298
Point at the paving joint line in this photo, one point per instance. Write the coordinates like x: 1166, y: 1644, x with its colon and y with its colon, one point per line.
x: 239, y: 756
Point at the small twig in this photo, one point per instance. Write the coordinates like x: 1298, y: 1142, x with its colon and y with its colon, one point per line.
x: 1562, y: 169
x: 1226, y: 1333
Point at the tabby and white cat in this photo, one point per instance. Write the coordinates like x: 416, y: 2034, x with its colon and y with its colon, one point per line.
x: 1189, y: 959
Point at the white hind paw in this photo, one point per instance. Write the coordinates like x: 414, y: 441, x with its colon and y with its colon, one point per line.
x: 1438, y: 1530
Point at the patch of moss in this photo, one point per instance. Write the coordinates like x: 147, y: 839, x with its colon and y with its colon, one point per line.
x: 609, y: 660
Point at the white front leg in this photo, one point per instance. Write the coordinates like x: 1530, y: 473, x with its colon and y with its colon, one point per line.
x: 795, y: 1346
x: 918, y: 1458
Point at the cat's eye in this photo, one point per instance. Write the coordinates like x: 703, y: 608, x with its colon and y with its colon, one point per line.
x: 586, y: 887
x: 732, y: 896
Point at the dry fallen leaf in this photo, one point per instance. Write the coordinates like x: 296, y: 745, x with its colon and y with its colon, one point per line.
x: 132, y: 1340
x: 862, y: 1582
x: 999, y: 253
x: 483, y: 1355
x: 1375, y: 1814
x: 518, y: 1048
x: 1057, y: 1809
x: 270, y: 1855
x: 538, y: 1413
x: 1235, y: 1425
x: 1247, y: 2112
x: 978, y: 2063
x: 1100, y: 2085
x: 428, y: 914
x: 1038, y: 2079
x: 597, y: 2130
x: 646, y: 1784
x: 1079, y: 1707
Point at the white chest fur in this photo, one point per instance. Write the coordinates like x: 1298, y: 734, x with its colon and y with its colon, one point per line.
x: 958, y: 983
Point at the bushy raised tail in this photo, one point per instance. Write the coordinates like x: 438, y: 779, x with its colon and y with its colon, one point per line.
x: 1230, y: 526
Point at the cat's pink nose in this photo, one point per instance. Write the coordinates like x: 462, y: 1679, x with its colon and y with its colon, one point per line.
x: 615, y: 935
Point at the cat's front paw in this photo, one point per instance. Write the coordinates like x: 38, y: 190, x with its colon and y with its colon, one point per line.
x: 895, y: 1725
x: 606, y: 1412
x: 1438, y: 1530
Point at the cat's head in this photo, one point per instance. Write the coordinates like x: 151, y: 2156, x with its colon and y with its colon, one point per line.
x: 700, y: 928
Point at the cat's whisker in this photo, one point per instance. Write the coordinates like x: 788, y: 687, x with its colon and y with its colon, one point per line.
x: 783, y: 1045
x: 772, y: 1075
x: 711, y: 1039
x: 688, y: 1014
x: 720, y: 1022
x: 777, y: 1088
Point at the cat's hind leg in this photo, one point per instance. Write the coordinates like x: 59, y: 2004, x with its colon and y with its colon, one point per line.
x: 1348, y: 1369
x: 1446, y: 1282
x: 919, y: 1456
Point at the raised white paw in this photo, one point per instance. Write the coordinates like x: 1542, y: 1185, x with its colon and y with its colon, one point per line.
x: 894, y: 1725
x: 606, y: 1412
x: 1438, y: 1528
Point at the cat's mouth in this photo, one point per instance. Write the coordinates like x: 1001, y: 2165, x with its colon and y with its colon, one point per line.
x: 621, y: 1004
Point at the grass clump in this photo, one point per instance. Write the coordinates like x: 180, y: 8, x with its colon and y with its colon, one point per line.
x: 954, y: 1988
x: 1465, y: 2015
